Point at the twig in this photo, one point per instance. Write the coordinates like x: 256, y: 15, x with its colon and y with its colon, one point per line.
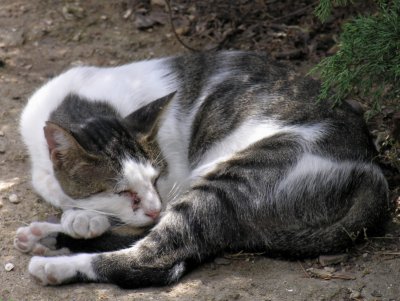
x: 295, y: 12
x: 384, y: 237
x: 174, y: 30
x: 304, y: 270
x: 388, y: 253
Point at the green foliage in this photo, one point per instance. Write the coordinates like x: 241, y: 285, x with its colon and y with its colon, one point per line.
x: 367, y: 63
x: 324, y: 8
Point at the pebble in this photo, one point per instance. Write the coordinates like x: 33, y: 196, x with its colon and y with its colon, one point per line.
x: 325, y: 260
x: 9, y: 266
x: 13, y: 198
x: 11, y: 37
x: 222, y: 261
x: 1, y: 203
x: 355, y: 294
x: 330, y: 269
x: 2, y: 147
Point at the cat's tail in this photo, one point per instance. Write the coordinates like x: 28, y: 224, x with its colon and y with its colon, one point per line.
x: 353, y: 203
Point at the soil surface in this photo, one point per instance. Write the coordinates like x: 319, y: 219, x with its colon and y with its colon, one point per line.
x: 39, y: 39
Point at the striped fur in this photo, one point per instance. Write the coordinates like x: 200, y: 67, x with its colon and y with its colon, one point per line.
x: 246, y: 159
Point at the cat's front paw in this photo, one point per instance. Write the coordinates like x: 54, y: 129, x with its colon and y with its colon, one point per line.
x: 50, y: 272
x: 39, y: 238
x: 60, y: 270
x: 84, y: 224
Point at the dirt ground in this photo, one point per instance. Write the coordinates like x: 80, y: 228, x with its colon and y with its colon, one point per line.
x: 39, y: 39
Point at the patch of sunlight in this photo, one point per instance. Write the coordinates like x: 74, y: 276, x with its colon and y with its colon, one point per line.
x: 6, y: 184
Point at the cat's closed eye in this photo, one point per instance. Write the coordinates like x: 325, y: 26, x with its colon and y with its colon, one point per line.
x: 133, y: 196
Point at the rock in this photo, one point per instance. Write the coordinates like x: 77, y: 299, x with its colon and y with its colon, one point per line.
x: 329, y: 269
x: 2, y: 146
x: 72, y: 12
x: 9, y: 266
x: 158, y: 3
x: 325, y: 260
x: 127, y: 13
x: 354, y: 294
x: 1, y: 203
x: 11, y: 37
x: 376, y: 294
x: 13, y: 198
x: 222, y: 261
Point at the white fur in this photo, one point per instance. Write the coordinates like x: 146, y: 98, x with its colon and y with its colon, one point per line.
x: 121, y: 208
x: 30, y: 239
x: 84, y: 224
x: 126, y: 88
x: 139, y: 178
x: 56, y: 270
x: 247, y: 134
x: 174, y: 137
x: 311, y: 165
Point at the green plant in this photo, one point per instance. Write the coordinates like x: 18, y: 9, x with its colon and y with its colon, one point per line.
x: 367, y: 63
x: 324, y: 8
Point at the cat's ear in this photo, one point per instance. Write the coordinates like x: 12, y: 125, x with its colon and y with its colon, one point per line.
x: 145, y: 120
x: 60, y: 143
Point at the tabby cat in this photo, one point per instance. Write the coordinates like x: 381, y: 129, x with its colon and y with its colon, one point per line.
x: 242, y: 155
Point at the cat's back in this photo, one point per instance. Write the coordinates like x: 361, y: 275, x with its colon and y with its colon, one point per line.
x: 231, y: 96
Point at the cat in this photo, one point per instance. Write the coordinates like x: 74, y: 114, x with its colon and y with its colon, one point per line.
x: 254, y: 161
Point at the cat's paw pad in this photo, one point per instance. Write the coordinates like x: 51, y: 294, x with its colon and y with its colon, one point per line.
x: 38, y: 239
x: 84, y: 224
x: 50, y: 271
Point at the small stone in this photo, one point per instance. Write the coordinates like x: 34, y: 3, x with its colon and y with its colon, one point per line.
x: 1, y: 203
x: 329, y: 269
x: 11, y: 37
x: 325, y: 260
x: 222, y: 261
x: 158, y: 3
x: 2, y: 147
x: 1, y: 134
x: 13, y: 198
x: 376, y: 294
x: 365, y: 255
x: 9, y: 266
x: 355, y: 294
x: 127, y: 14
x: 72, y: 12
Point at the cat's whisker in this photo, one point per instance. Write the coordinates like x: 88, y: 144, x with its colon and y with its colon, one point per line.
x: 173, y: 194
x: 92, y: 210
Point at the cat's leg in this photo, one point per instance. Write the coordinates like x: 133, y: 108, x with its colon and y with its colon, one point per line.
x: 84, y: 224
x: 48, y: 239
x: 193, y: 228
x: 39, y: 238
x: 109, y: 241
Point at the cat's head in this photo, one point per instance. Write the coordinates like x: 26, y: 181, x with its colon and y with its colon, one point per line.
x: 110, y: 164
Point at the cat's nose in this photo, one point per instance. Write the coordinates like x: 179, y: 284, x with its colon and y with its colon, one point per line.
x: 153, y: 214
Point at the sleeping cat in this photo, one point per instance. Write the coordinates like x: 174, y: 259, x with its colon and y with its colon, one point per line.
x: 253, y: 161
